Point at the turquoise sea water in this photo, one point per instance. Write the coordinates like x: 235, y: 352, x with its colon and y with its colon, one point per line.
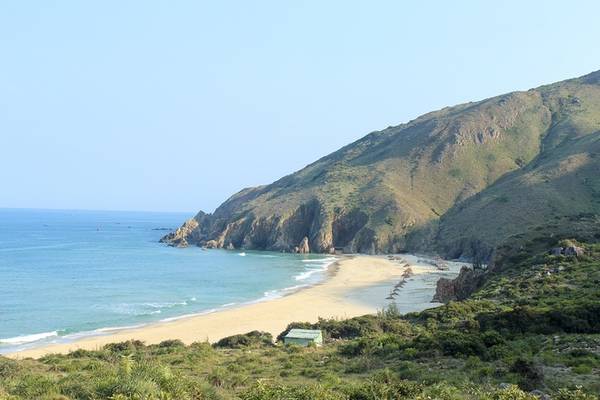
x: 66, y: 274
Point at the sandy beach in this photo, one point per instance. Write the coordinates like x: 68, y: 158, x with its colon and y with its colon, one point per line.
x: 355, y: 286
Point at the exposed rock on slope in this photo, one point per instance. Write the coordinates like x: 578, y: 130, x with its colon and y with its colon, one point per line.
x: 488, y: 169
x: 459, y: 288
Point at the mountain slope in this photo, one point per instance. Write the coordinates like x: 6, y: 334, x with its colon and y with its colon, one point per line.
x: 553, y: 193
x: 387, y: 191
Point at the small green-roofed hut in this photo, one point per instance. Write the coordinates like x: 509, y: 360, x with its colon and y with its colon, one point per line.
x: 304, y: 337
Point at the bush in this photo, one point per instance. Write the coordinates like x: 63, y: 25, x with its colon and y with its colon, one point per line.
x: 384, y: 385
x: 576, y: 394
x: 250, y: 339
x: 171, y: 344
x: 531, y: 375
x: 264, y: 391
x: 124, y: 347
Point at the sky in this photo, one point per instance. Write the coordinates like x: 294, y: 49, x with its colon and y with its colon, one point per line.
x: 176, y: 105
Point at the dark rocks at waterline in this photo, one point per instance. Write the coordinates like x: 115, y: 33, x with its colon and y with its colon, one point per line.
x: 303, y: 247
x: 459, y: 288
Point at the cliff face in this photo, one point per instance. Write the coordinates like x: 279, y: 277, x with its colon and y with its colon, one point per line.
x: 388, y: 191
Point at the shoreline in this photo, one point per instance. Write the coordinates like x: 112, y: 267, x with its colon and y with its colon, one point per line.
x: 352, y: 286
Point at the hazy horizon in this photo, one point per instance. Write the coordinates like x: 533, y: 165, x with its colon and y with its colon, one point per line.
x: 173, y: 108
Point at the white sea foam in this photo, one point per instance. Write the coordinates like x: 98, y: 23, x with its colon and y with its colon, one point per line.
x: 242, y: 254
x: 315, y: 267
x: 210, y: 311
x: 278, y: 293
x: 28, y: 338
x: 327, y: 259
x: 110, y: 329
x: 307, y: 274
x: 166, y: 304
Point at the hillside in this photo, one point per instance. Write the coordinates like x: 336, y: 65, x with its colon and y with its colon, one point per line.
x: 458, y: 180
x: 553, y: 193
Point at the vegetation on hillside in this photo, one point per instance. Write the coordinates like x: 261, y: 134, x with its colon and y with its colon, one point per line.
x: 533, y: 328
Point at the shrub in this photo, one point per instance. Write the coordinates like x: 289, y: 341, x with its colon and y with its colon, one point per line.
x: 574, y: 394
x: 250, y: 339
x: 531, y: 375
x: 171, y: 344
x: 124, y: 347
x: 264, y: 391
x: 384, y: 385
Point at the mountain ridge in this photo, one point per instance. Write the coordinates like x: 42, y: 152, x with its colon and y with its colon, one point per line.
x: 414, y: 186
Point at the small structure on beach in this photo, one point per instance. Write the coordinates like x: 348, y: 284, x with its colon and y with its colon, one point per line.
x: 304, y: 337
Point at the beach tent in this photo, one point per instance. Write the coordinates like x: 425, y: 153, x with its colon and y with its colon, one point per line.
x: 304, y: 337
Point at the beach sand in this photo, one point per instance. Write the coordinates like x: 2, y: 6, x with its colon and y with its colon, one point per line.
x: 355, y: 286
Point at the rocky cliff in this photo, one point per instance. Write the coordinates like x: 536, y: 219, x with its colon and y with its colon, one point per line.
x: 457, y: 181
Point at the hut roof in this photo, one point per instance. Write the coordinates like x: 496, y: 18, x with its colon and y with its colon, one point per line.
x: 303, y: 334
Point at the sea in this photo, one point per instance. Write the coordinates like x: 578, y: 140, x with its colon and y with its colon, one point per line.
x: 68, y: 274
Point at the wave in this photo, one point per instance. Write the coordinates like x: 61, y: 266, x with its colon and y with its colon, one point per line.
x: 166, y: 304
x: 28, y: 338
x: 307, y: 274
x: 210, y: 311
x: 26, y: 248
x: 279, y: 293
x: 242, y: 254
x: 319, y: 266
x: 149, y: 308
x: 313, y: 260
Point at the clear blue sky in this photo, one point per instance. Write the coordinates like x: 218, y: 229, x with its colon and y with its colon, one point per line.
x: 175, y: 105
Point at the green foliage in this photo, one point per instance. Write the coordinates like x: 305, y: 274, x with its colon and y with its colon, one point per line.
x: 250, y: 339
x: 262, y: 391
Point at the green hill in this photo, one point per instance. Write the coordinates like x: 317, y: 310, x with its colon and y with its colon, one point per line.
x: 454, y: 180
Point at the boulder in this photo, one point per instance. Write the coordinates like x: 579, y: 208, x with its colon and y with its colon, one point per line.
x: 211, y: 244
x: 540, y: 395
x: 569, y: 251
x: 230, y: 246
x: 467, y: 281
x: 303, y: 247
x: 181, y: 242
x: 444, y: 291
x: 573, y: 251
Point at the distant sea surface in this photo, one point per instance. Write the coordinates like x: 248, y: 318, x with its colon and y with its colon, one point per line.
x: 68, y: 274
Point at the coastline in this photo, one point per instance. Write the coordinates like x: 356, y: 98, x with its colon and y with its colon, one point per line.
x: 353, y: 286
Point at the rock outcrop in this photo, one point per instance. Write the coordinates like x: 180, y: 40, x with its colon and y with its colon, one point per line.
x: 459, y: 288
x: 179, y: 238
x: 303, y: 247
x: 567, y: 248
